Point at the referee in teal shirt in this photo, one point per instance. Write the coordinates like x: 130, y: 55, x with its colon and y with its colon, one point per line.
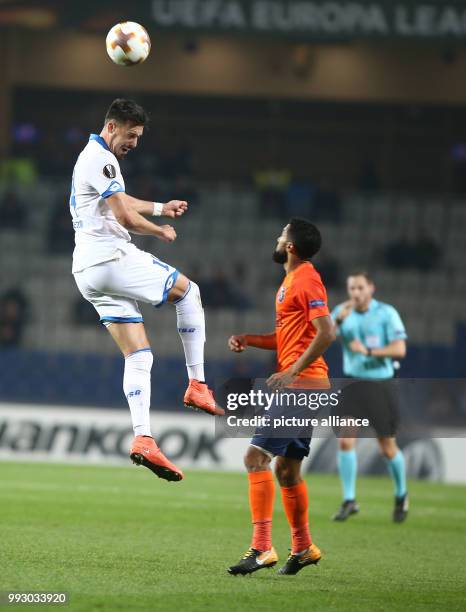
x: 372, y: 336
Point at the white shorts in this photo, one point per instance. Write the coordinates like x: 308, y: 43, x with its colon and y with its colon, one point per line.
x: 115, y: 287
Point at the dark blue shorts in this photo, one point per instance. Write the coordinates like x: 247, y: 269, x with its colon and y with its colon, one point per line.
x: 294, y: 448
x: 292, y: 442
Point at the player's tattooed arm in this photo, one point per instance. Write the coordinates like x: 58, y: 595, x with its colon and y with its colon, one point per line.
x: 238, y: 344
x: 134, y: 222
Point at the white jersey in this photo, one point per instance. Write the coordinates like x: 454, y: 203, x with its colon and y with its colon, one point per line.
x: 98, y: 235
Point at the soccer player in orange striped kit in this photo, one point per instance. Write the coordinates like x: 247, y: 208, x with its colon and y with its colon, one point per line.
x: 303, y: 332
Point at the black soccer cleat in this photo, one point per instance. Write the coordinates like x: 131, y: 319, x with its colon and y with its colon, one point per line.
x: 347, y: 508
x: 295, y: 563
x: 400, y: 511
x: 254, y: 560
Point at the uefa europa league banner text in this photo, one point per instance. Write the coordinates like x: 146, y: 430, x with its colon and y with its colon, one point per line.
x: 318, y: 19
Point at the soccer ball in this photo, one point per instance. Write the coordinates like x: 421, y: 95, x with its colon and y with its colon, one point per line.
x: 128, y: 43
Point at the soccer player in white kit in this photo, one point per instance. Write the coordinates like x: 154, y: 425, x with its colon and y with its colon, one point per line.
x: 113, y: 274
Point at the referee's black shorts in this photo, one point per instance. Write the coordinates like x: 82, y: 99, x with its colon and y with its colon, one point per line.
x: 375, y: 400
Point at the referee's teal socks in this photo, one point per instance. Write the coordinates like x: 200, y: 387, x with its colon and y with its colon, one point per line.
x: 397, y: 469
x: 347, y: 468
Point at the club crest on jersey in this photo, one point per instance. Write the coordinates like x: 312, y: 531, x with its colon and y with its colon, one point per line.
x: 109, y: 171
x: 281, y: 294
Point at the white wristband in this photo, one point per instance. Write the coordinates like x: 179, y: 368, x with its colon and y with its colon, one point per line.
x: 158, y: 207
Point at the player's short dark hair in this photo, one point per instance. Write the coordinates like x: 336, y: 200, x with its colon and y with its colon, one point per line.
x: 362, y: 272
x: 122, y: 110
x: 305, y: 237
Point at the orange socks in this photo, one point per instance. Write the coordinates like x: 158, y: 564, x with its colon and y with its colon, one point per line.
x: 295, y: 502
x: 296, y: 505
x: 261, y: 498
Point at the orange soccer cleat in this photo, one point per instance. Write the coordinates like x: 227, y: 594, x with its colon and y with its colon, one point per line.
x: 144, y: 451
x: 296, y: 561
x: 199, y: 396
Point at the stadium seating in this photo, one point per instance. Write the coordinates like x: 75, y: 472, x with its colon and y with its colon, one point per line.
x: 226, y: 229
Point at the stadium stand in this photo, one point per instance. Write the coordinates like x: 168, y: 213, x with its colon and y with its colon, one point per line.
x: 208, y: 241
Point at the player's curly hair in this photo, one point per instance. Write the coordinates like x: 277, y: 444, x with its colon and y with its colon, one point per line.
x: 124, y: 111
x: 305, y: 237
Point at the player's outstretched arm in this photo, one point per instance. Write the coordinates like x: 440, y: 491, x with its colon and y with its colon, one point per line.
x: 134, y: 222
x: 238, y: 344
x: 172, y: 209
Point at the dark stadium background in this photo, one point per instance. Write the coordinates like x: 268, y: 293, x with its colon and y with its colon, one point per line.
x: 359, y: 129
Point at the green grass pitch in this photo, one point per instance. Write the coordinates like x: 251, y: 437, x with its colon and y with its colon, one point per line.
x: 120, y: 539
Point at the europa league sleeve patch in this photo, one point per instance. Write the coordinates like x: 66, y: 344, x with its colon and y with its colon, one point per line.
x: 109, y: 171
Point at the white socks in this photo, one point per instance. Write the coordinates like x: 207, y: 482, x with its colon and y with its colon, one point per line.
x: 136, y: 379
x: 191, y: 327
x: 136, y: 385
